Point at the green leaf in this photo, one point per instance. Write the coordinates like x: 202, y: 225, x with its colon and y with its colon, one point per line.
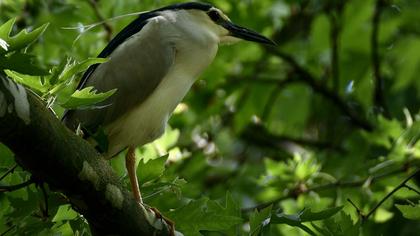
x: 338, y: 225
x: 202, y: 214
x: 232, y: 207
x: 151, y: 170
x: 386, y: 132
x: 20, y: 40
x: 308, y: 215
x: 22, y: 63
x: 382, y: 215
x: 33, y: 82
x: 65, y: 212
x: 63, y: 229
x: 66, y: 77
x: 305, y: 215
x: 4, y: 45
x: 73, y: 68
x: 259, y: 221
x: 410, y: 212
x: 57, y: 70
x: 86, y: 98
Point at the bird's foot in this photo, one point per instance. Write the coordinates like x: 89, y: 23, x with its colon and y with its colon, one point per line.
x: 79, y: 131
x: 169, y: 222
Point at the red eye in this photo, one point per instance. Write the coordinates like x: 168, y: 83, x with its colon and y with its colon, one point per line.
x: 214, y: 15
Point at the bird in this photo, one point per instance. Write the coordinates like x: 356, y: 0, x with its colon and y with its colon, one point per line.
x: 152, y: 63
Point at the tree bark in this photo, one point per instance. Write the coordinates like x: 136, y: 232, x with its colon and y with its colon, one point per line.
x: 55, y: 155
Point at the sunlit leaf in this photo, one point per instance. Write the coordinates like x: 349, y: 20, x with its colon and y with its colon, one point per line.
x: 410, y: 212
x: 86, y: 97
x: 382, y: 215
x: 259, y: 222
x: 202, y: 215
x: 20, y: 40
x: 339, y: 225
x: 152, y: 169
x: 308, y: 215
x: 4, y: 45
x: 305, y: 215
x: 65, y: 212
x: 72, y: 68
x: 33, y: 82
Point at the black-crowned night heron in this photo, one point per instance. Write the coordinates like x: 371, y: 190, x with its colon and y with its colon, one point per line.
x: 152, y: 63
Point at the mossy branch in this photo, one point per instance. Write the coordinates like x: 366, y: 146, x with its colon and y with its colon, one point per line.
x: 53, y: 154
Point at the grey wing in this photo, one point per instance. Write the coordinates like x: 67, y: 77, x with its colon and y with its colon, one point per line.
x: 135, y: 69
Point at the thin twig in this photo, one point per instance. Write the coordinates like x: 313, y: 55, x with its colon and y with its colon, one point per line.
x: 12, y: 188
x: 280, y: 84
x: 8, y: 172
x: 332, y: 96
x: 44, y: 193
x: 379, y: 98
x: 8, y: 230
x: 401, y: 185
x: 270, y: 103
x: 261, y: 136
x: 336, y: 184
x: 359, y: 211
x: 107, y: 27
x: 412, y: 189
x: 334, y: 40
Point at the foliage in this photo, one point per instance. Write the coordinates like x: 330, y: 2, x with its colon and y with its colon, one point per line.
x: 270, y: 141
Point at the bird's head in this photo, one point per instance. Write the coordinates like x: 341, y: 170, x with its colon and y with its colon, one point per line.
x: 201, y: 18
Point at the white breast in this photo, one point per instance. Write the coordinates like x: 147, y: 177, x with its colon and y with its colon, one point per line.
x: 148, y: 121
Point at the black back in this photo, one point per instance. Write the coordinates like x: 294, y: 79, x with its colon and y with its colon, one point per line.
x: 135, y: 27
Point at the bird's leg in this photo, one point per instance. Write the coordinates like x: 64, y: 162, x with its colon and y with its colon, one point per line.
x: 130, y: 164
x: 169, y: 222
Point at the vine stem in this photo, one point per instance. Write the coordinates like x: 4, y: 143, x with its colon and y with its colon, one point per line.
x: 12, y: 188
x: 401, y: 185
x: 8, y: 172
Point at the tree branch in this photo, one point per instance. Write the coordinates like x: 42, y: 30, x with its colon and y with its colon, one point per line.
x: 12, y: 188
x: 378, y: 96
x: 334, y: 12
x: 8, y: 230
x: 69, y: 164
x: 107, y: 27
x: 412, y: 189
x: 261, y: 136
x: 401, y: 185
x: 8, y: 172
x: 332, y: 96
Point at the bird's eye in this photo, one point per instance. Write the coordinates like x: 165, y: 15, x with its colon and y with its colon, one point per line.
x: 214, y: 15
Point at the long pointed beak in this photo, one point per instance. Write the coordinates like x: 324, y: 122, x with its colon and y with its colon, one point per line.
x: 246, y: 34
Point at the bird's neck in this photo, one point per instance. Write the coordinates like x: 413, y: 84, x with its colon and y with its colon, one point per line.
x: 195, y: 45
x: 193, y: 59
